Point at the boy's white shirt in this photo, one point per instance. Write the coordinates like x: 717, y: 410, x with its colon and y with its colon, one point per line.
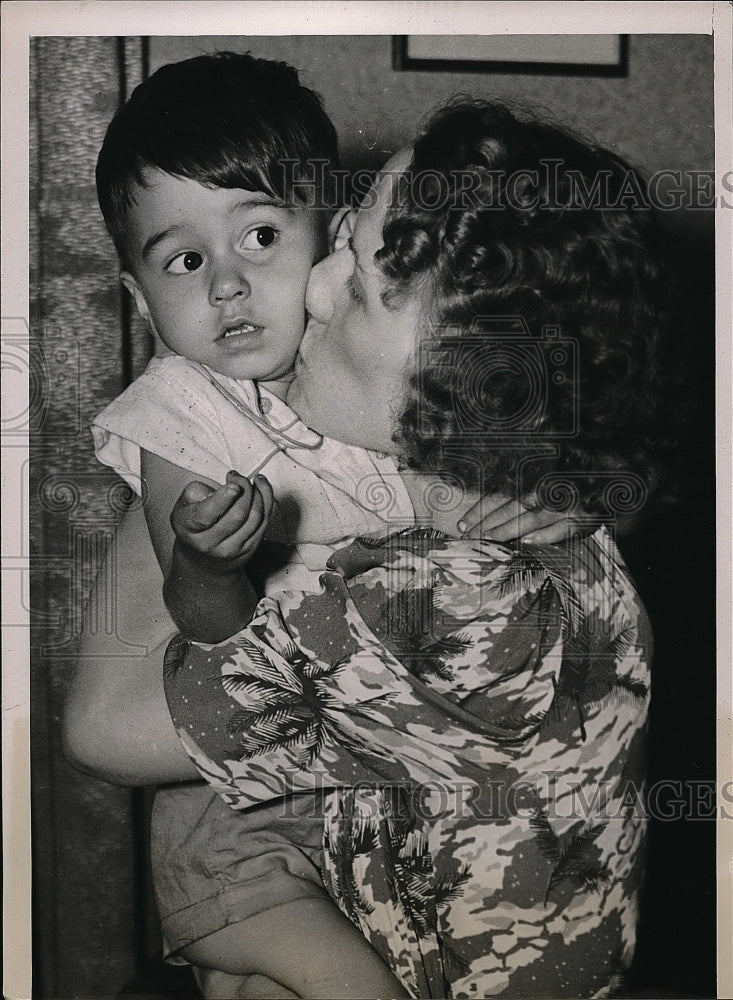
x: 208, y: 423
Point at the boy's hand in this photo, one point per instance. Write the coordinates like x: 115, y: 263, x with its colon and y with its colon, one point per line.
x: 504, y: 520
x: 222, y: 527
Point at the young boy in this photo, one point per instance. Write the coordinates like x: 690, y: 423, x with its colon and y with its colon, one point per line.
x: 214, y: 181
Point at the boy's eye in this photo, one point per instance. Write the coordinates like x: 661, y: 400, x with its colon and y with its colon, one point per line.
x: 186, y: 262
x: 260, y: 238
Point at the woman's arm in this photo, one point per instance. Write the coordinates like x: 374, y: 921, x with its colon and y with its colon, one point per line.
x: 116, y: 724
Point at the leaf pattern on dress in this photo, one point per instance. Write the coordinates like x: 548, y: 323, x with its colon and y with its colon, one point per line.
x: 571, y: 853
x: 175, y: 656
x: 352, y: 841
x: 589, y: 674
x: 290, y: 706
x: 412, y: 634
x: 525, y: 575
x: 485, y: 896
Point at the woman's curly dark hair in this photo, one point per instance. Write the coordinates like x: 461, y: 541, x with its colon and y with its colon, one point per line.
x: 541, y: 265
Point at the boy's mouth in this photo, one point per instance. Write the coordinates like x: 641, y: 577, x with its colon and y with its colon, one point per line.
x: 239, y: 329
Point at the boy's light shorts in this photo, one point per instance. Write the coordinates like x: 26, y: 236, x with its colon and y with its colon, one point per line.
x: 214, y: 866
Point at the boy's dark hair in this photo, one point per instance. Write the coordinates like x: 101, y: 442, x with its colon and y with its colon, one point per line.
x: 518, y: 220
x: 226, y: 120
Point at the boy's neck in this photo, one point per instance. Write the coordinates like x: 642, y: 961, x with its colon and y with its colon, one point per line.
x: 278, y: 386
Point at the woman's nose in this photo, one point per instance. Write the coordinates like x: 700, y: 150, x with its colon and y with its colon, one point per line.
x: 326, y: 282
x: 228, y: 282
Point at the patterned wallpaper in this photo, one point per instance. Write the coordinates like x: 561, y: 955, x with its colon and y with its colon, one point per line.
x: 87, y: 916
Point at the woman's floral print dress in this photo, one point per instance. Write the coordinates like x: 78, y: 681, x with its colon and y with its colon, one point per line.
x: 477, y: 720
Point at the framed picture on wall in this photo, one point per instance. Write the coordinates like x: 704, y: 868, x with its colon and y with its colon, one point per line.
x: 568, y: 55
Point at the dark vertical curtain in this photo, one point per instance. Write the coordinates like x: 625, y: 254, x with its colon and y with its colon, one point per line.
x: 91, y: 901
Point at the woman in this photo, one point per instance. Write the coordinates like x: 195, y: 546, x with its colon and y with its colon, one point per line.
x: 428, y: 323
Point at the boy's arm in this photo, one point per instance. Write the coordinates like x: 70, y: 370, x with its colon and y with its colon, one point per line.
x: 218, y: 529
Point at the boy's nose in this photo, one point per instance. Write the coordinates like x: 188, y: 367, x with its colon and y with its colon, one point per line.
x: 326, y: 282
x: 228, y: 283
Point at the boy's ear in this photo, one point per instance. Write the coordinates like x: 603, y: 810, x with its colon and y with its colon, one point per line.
x: 140, y: 304
x: 161, y: 349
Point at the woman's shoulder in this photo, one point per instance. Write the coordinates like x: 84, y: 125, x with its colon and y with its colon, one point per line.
x: 587, y: 574
x: 591, y: 576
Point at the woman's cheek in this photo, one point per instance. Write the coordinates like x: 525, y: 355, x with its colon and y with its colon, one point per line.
x: 362, y: 349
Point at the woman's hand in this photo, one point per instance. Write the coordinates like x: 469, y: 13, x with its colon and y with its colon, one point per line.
x: 505, y: 520
x: 221, y: 528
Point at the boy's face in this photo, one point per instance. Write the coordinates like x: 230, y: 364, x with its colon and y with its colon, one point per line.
x: 220, y: 274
